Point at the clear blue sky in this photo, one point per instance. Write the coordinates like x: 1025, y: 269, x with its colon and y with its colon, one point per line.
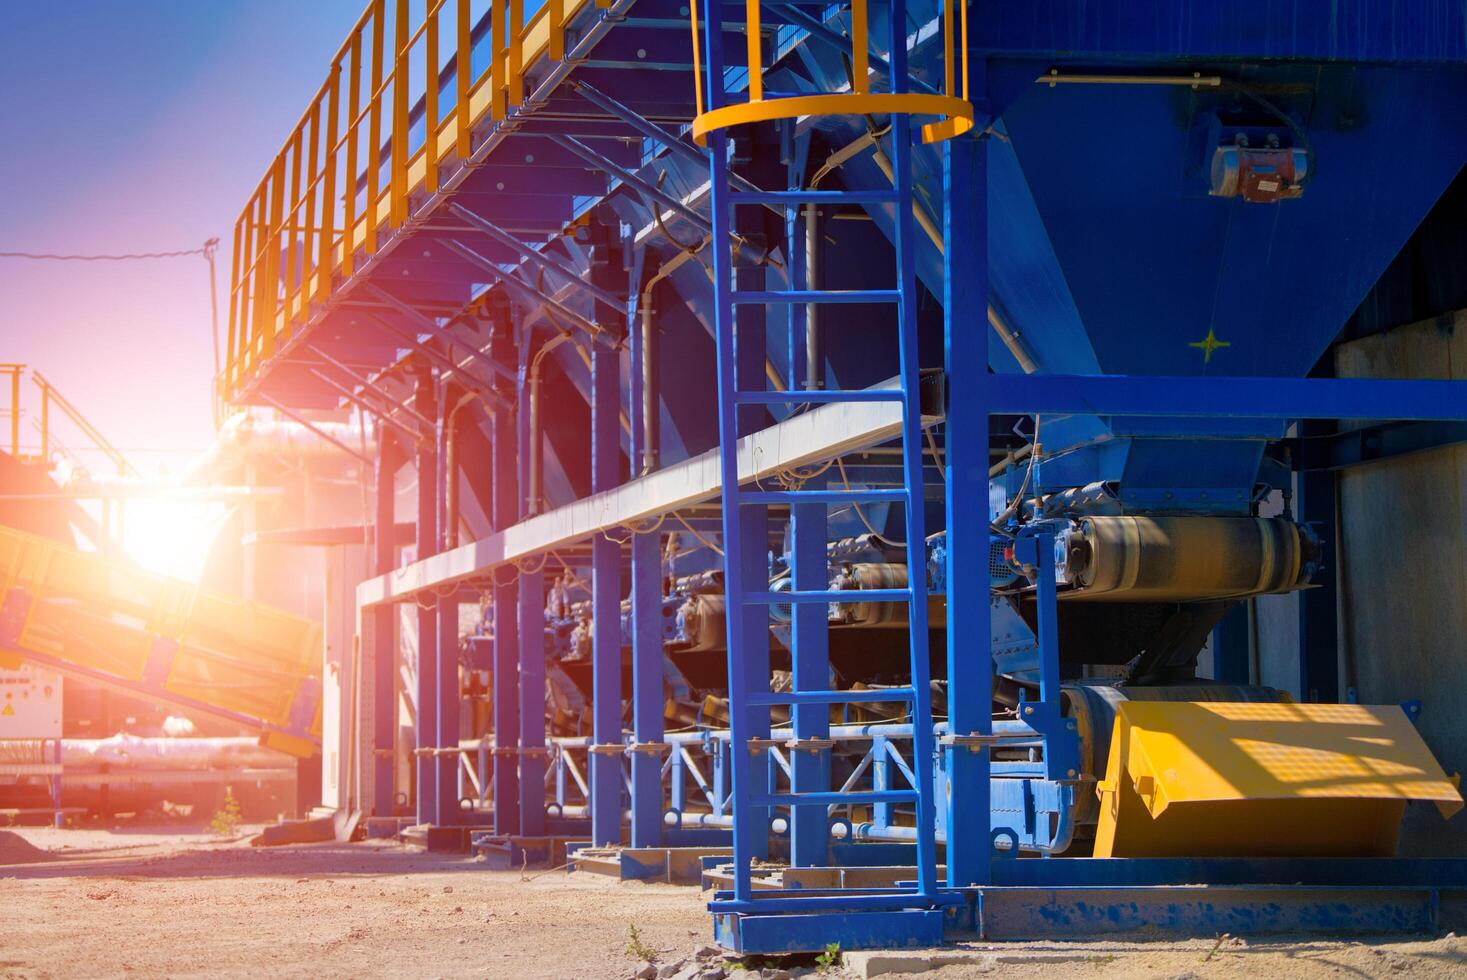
x: 140, y: 125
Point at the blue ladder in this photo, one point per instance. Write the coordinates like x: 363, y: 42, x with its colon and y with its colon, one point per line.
x: 745, y: 520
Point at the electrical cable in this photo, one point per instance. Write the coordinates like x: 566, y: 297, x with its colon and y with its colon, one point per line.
x: 117, y: 257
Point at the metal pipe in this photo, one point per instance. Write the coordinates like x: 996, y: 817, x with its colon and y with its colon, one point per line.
x: 651, y: 392
x: 814, y: 351
x: 534, y: 493
x: 1195, y: 80
x: 451, y: 493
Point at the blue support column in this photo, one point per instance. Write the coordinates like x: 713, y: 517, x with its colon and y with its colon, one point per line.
x: 605, y: 764
x: 646, y: 594
x: 810, y: 661
x: 384, y: 646
x: 751, y: 345
x: 425, y: 403
x: 532, y: 702
x: 647, y: 672
x: 965, y: 359
x: 449, y: 811
x: 505, y: 676
x: 1230, y: 660
x: 1319, y: 672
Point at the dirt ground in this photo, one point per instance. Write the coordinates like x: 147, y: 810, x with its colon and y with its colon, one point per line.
x: 90, y: 903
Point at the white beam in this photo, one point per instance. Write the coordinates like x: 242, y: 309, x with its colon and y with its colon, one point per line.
x: 819, y: 434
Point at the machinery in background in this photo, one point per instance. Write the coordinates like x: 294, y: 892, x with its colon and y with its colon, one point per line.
x: 127, y: 690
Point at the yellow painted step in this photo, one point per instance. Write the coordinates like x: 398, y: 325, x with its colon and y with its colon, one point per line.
x: 1189, y: 779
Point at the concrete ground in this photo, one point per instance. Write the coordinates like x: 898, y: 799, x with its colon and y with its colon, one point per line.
x: 108, y: 903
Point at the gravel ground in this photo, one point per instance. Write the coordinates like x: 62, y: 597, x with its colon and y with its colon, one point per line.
x: 90, y: 903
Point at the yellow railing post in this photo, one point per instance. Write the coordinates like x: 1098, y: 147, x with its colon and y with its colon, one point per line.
x: 15, y: 370
x: 246, y: 270
x: 227, y: 382
x: 274, y: 277
x: 516, y: 52
x: 756, y: 49
x: 374, y: 128
x: 430, y: 98
x: 397, y: 205
x: 499, y: 46
x: 697, y: 58
x: 328, y: 186
x: 353, y: 112
x: 258, y: 292
x: 555, y: 48
x: 462, y: 80
x: 308, y: 239
x: 289, y: 279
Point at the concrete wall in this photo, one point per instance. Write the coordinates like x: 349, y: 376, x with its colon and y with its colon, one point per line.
x: 1403, y: 566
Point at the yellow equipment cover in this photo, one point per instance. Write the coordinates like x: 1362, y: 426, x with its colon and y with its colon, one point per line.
x: 161, y: 638
x: 1196, y: 779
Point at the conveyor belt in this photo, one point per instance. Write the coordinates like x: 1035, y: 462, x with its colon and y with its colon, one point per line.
x: 162, y: 639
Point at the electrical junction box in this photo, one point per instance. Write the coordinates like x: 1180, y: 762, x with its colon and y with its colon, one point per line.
x: 30, y: 703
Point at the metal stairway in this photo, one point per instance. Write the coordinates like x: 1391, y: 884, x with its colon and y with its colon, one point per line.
x: 740, y: 408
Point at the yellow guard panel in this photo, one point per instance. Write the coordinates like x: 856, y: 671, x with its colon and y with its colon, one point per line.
x: 161, y: 638
x: 1189, y: 779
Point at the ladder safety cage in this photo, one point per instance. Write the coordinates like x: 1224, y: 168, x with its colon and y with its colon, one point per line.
x: 744, y: 510
x: 716, y: 111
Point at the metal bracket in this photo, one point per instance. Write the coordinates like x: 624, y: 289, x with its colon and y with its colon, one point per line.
x: 809, y: 744
x: 973, y: 742
x: 609, y: 748
x: 648, y: 748
x: 758, y: 746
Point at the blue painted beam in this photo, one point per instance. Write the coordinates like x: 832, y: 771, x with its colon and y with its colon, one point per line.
x: 606, y: 586
x: 425, y: 403
x: 505, y: 676
x: 384, y: 653
x: 1424, y: 31
x: 1222, y: 397
x: 532, y: 702
x: 966, y: 437
x: 810, y: 664
x: 647, y: 695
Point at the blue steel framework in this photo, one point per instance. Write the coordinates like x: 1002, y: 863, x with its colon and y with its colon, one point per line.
x: 739, y: 296
x: 610, y: 48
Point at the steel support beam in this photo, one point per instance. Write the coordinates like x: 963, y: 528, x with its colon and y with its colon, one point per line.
x: 646, y: 188
x: 426, y: 324
x: 606, y: 772
x: 750, y: 323
x: 810, y: 660
x: 426, y: 404
x: 1316, y: 504
x: 532, y: 702
x: 969, y: 665
x: 1222, y: 397
x: 536, y: 257
x: 515, y: 284
x: 505, y: 676
x: 381, y: 646
x: 647, y: 694
x: 449, y: 812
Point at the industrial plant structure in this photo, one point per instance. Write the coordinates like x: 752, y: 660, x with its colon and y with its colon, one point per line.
x: 920, y: 469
